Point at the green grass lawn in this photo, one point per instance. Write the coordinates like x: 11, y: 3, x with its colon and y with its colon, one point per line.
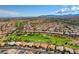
x: 75, y: 46
x: 41, y: 38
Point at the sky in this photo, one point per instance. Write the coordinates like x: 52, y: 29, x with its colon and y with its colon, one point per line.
x: 37, y: 10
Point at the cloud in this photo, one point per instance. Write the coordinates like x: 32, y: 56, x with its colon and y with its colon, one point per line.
x: 67, y: 10
x: 8, y: 13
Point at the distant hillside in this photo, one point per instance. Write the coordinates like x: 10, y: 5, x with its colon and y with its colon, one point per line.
x: 70, y: 19
x: 61, y: 16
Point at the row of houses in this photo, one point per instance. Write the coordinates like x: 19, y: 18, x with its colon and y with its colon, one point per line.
x: 52, y: 28
x: 49, y: 27
x: 6, y: 28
